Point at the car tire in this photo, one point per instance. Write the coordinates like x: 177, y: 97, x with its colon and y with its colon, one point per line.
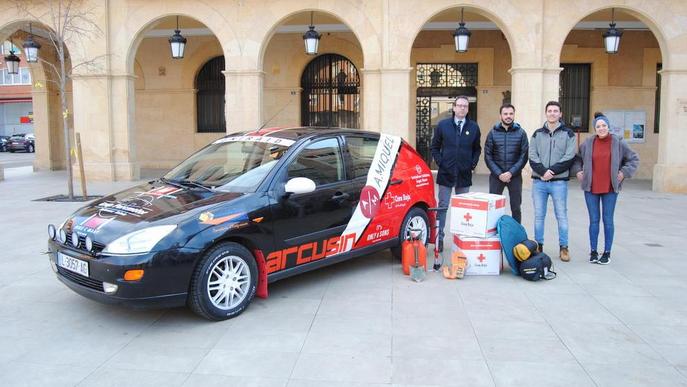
x: 226, y: 270
x: 31, y: 149
x: 416, y: 217
x: 11, y: 150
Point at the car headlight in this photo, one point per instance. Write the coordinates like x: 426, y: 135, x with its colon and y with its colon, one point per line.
x: 139, y: 242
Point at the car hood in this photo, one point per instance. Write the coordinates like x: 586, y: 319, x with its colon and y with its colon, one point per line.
x: 151, y: 204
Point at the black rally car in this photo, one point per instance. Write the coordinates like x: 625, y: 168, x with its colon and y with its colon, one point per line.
x: 246, y: 210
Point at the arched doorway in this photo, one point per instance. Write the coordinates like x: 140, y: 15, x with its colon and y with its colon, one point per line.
x: 624, y: 86
x: 284, y: 63
x: 210, y: 86
x: 179, y: 101
x: 330, y: 92
x: 440, y: 73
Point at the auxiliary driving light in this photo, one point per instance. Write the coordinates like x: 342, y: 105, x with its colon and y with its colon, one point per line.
x: 109, y: 288
x: 63, y: 236
x: 75, y: 239
x: 52, y: 232
x: 89, y: 243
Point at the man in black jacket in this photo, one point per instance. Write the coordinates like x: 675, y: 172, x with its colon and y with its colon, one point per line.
x: 455, y: 149
x: 505, y: 152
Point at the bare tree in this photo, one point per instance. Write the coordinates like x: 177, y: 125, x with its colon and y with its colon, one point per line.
x: 67, y: 21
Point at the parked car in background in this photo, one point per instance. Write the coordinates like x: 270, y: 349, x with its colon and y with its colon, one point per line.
x: 248, y: 209
x: 22, y: 142
x: 3, y: 143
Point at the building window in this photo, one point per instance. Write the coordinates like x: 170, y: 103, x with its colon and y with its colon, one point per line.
x: 574, y: 95
x: 331, y: 92
x: 210, y: 97
x: 7, y: 46
x: 657, y: 101
x: 23, y: 78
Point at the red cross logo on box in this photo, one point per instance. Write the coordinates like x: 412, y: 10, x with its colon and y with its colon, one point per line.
x: 467, y: 217
x: 481, y: 258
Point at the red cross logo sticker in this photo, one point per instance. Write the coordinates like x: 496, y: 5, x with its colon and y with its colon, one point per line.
x: 481, y: 258
x: 467, y: 217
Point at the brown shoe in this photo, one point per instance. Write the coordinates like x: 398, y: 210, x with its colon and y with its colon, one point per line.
x: 565, y: 254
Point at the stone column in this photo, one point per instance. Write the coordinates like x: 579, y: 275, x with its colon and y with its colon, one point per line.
x: 395, y: 102
x: 123, y: 127
x: 104, y: 117
x: 670, y: 172
x: 41, y: 129
x: 371, y: 99
x: 527, y: 96
x: 243, y: 105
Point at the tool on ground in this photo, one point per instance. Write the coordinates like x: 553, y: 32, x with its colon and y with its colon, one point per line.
x: 408, y: 252
x: 437, y: 263
x: 456, y: 269
x: 417, y: 271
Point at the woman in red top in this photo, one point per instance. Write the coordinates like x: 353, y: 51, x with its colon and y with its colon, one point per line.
x: 603, y: 162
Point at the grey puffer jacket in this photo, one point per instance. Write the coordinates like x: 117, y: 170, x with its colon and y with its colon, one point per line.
x: 623, y: 158
x: 552, y: 150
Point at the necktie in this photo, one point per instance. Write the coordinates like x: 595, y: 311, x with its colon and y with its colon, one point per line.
x: 460, y: 127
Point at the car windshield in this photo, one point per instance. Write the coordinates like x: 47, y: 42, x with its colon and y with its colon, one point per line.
x: 231, y: 166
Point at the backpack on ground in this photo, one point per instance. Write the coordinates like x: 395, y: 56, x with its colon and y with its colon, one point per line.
x: 525, y: 249
x: 537, y: 267
x: 510, y: 233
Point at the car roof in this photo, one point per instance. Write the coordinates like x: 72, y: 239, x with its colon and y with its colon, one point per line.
x: 302, y: 132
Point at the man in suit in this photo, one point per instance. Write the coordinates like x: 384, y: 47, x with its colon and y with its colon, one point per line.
x: 456, y: 149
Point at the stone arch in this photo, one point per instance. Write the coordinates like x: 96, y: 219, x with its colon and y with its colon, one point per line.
x: 47, y: 121
x: 420, y: 19
x: 269, y: 34
x: 553, y: 45
x: 606, y: 85
x: 139, y: 35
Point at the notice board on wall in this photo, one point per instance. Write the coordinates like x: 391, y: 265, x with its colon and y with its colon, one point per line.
x: 628, y: 124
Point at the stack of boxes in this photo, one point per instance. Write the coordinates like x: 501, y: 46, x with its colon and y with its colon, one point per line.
x: 473, y: 227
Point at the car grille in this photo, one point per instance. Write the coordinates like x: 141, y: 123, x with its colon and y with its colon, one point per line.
x: 97, y: 247
x: 81, y: 280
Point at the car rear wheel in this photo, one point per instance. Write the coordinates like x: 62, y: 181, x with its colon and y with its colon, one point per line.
x: 224, y: 282
x: 416, y: 219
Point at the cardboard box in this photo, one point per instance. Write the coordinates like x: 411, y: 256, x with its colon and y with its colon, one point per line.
x: 483, y: 254
x: 475, y: 213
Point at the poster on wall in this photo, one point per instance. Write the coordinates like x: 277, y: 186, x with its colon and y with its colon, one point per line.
x: 628, y: 124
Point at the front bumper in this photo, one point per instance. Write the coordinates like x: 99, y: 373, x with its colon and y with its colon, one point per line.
x: 165, y: 282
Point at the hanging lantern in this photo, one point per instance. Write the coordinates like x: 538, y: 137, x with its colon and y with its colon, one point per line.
x: 177, y: 43
x: 31, y: 47
x: 612, y: 36
x: 311, y: 38
x: 12, y: 62
x: 462, y: 35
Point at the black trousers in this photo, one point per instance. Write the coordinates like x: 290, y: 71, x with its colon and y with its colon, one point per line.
x: 496, y: 186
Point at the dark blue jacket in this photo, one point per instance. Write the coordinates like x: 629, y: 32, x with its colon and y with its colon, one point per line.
x: 456, y: 155
x: 506, y: 150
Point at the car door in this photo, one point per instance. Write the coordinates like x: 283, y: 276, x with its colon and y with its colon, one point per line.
x: 309, y: 226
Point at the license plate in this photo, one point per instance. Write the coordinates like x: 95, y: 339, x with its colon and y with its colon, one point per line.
x: 72, y: 264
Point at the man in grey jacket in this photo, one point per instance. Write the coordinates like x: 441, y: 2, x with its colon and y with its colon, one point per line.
x: 552, y: 153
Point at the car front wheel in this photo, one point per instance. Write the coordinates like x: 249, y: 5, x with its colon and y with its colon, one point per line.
x: 31, y: 149
x: 416, y: 219
x: 224, y: 282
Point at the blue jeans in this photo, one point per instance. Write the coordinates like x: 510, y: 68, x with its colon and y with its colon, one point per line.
x: 607, y: 202
x: 444, y: 199
x: 540, y: 196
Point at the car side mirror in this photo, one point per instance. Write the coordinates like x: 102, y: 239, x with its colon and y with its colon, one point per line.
x: 299, y: 185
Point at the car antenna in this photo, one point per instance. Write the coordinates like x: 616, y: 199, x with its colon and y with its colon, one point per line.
x: 276, y: 114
